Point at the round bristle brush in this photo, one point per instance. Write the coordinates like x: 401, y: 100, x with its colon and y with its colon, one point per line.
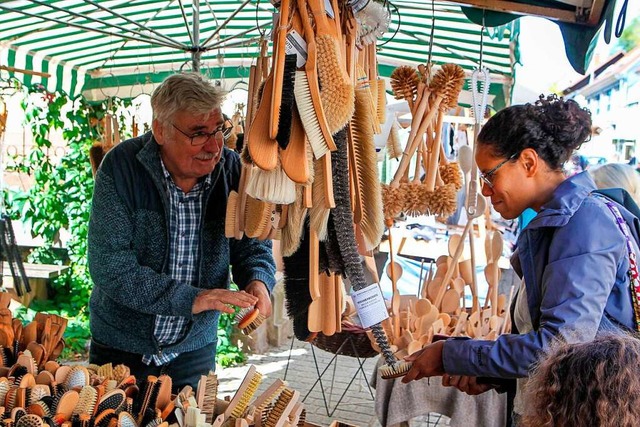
x: 249, y: 319
x: 404, y: 82
x: 451, y: 174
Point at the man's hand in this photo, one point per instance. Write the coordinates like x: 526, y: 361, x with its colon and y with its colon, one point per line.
x: 465, y: 384
x: 425, y: 363
x: 221, y: 299
x: 259, y: 290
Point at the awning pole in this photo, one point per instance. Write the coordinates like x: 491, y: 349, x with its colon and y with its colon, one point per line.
x: 195, y: 55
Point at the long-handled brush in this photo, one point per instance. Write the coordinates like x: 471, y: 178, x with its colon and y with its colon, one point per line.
x: 343, y: 219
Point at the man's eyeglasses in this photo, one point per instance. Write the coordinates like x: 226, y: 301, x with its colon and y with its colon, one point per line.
x: 200, y: 138
x: 487, y: 177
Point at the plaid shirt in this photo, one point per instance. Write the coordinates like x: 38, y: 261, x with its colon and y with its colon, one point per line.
x: 185, y: 214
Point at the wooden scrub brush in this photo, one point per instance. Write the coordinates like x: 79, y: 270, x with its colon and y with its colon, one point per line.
x: 404, y: 82
x: 337, y: 92
x: 249, y: 319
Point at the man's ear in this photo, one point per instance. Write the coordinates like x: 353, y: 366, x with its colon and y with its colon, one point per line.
x: 157, y: 129
x: 530, y: 161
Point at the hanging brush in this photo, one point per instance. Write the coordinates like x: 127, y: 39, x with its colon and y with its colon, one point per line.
x: 404, y: 83
x: 364, y: 166
x: 394, y: 149
x: 14, y: 259
x: 307, y: 94
x: 279, y: 66
x: 337, y: 93
x: 343, y: 220
x: 287, y: 101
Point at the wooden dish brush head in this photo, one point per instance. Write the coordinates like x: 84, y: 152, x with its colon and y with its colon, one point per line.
x: 451, y: 174
x: 404, y: 82
x: 249, y: 319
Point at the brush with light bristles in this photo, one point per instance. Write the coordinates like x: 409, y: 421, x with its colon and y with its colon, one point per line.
x: 394, y: 149
x: 241, y: 398
x: 404, y: 83
x: 381, y: 105
x: 364, y: 165
x: 257, y: 217
x: 207, y: 395
x: 249, y: 319
x: 272, y: 186
x: 446, y: 86
x: 337, y: 92
x: 322, y: 193
x: 292, y: 231
x: 343, y: 221
x: 307, y: 94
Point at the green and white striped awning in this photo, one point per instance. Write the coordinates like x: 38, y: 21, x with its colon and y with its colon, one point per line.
x: 101, y: 48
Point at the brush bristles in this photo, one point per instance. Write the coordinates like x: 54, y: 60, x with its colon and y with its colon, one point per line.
x: 245, y: 156
x: 255, y: 324
x: 397, y: 370
x: 448, y: 82
x: 394, y: 149
x: 281, y: 404
x: 257, y: 217
x: 293, y: 229
x: 392, y: 201
x: 443, y: 201
x: 337, y: 93
x: 381, y: 105
x: 230, y: 217
x: 308, y: 115
x: 366, y: 163
x: 451, y: 174
x: 287, y: 101
x: 272, y: 186
x: 404, y: 82
x: 318, y: 214
x: 416, y: 198
x: 248, y: 393
x: 210, y: 396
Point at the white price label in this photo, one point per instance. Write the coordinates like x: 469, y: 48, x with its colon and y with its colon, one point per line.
x: 295, y: 44
x: 370, y: 305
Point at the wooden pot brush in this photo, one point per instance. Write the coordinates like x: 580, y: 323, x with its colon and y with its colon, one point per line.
x: 404, y: 83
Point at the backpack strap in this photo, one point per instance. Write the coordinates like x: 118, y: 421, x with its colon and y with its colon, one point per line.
x: 634, y: 277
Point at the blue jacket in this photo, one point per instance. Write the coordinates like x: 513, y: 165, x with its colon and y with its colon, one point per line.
x: 128, y: 251
x: 574, y: 261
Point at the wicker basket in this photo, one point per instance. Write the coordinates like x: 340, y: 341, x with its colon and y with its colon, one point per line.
x: 352, y: 342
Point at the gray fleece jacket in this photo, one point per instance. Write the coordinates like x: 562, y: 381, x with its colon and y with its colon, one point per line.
x: 128, y: 251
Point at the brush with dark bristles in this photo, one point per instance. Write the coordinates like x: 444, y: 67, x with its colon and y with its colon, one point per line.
x: 287, y: 101
x: 296, y: 286
x: 343, y: 220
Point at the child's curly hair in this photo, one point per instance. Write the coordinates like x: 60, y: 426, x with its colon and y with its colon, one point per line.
x: 595, y: 384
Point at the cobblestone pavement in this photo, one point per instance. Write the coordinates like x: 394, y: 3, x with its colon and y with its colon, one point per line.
x: 342, y: 377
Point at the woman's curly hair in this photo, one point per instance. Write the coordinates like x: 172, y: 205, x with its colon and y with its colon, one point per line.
x: 553, y: 127
x: 595, y: 383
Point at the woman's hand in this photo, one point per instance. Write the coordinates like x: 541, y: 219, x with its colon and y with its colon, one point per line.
x: 425, y: 363
x: 465, y: 384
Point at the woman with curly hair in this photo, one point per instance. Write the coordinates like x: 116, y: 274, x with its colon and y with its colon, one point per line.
x: 573, y: 256
x: 594, y: 383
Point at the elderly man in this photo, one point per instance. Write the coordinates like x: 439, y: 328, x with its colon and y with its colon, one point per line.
x: 158, y: 255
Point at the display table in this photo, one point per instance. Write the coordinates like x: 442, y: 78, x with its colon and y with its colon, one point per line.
x: 398, y: 403
x: 38, y: 275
